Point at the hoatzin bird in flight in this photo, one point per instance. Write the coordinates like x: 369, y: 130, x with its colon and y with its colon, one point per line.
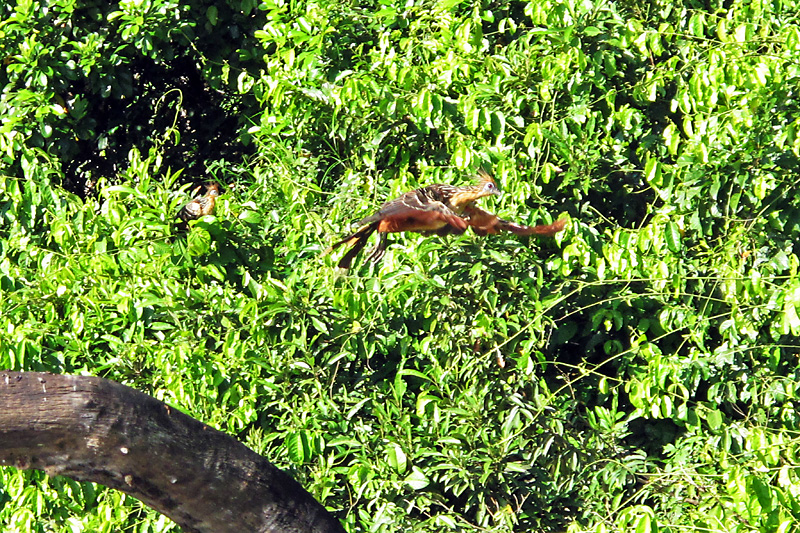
x: 439, y: 209
x: 200, y: 206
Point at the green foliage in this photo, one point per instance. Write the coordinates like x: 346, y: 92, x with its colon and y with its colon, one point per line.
x: 637, y: 372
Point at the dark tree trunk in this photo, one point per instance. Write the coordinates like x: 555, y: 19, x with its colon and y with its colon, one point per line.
x: 92, y: 429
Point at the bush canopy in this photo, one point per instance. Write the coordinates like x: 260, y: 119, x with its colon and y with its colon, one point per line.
x: 639, y: 371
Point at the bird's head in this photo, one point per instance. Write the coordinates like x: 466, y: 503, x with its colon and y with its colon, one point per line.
x: 466, y: 195
x: 486, y: 185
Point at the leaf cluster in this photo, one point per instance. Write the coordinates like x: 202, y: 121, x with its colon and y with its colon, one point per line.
x: 636, y: 372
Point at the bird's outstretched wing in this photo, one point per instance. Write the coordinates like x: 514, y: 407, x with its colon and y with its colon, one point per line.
x: 485, y: 223
x: 420, y: 210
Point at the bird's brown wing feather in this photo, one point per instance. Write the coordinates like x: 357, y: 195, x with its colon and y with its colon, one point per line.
x: 482, y: 222
x: 419, y: 199
x: 542, y: 230
x: 420, y: 210
x: 485, y: 223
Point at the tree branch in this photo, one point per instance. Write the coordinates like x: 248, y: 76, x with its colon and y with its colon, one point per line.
x: 92, y: 429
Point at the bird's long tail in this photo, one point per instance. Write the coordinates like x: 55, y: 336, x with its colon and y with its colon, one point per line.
x: 356, y: 240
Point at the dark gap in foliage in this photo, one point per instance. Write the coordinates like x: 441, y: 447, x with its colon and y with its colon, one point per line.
x: 652, y: 435
x: 208, y: 126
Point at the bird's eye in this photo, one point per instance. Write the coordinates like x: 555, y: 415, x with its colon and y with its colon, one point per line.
x: 490, y: 186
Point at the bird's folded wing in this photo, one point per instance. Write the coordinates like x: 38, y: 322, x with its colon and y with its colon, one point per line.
x: 191, y: 211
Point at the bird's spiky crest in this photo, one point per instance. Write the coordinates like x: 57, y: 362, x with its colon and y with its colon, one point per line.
x: 484, y: 178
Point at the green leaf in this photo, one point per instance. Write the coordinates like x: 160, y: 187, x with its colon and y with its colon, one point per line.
x: 319, y: 325
x: 498, y: 123
x: 199, y: 241
x: 652, y: 171
x: 791, y: 320
x: 298, y: 446
x: 415, y: 373
x: 714, y: 418
x: 356, y: 408
x: 697, y: 24
x: 396, y: 458
x: 212, y: 14
x: 673, y: 237
x: 121, y: 189
x: 645, y: 524
x: 602, y: 387
x: 763, y: 493
x: 417, y: 480
x: 422, y: 402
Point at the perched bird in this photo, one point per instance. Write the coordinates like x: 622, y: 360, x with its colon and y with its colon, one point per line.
x: 201, y: 206
x: 440, y: 209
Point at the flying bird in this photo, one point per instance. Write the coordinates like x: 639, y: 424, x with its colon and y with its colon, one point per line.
x: 440, y: 209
